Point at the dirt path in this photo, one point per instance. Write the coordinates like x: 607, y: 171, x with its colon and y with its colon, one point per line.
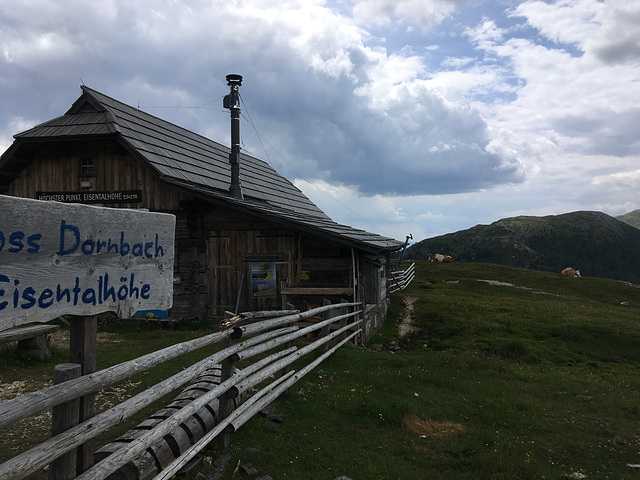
x: 406, y: 327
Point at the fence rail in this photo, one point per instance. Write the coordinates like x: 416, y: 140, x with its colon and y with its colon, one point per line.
x: 401, y: 275
x: 340, y: 323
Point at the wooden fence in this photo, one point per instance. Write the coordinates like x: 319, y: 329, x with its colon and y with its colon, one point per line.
x: 249, y: 336
x: 401, y: 275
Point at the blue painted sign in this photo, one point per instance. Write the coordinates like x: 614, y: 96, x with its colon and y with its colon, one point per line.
x: 58, y: 259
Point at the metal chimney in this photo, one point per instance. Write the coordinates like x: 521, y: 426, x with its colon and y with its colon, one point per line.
x: 232, y: 102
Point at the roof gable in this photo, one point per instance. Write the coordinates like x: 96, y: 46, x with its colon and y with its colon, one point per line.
x: 183, y: 158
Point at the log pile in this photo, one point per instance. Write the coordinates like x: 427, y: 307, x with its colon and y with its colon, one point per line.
x: 158, y: 456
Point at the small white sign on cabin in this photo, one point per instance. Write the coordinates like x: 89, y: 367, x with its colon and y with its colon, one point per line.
x: 71, y: 259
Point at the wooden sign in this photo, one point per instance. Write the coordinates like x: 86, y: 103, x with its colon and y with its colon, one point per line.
x: 71, y: 259
x: 263, y: 257
x: 90, y: 196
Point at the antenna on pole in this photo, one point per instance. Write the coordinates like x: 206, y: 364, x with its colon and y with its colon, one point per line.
x: 406, y: 242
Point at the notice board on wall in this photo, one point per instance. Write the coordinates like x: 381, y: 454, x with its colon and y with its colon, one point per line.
x: 263, y: 279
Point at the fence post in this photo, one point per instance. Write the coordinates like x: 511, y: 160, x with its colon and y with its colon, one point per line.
x: 287, y: 345
x: 343, y: 322
x: 325, y: 330
x: 83, y: 333
x: 65, y: 416
x: 225, y: 400
x: 284, y: 297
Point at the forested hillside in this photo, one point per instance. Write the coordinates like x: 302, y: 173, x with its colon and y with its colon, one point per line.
x: 631, y: 218
x: 593, y: 242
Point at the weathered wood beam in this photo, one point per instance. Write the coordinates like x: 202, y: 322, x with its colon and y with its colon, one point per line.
x: 32, y: 460
x: 37, y: 457
x: 25, y: 406
x: 272, y: 343
x: 254, y: 328
x: 64, y: 417
x: 22, y: 333
x: 248, y: 409
x: 140, y: 444
x: 316, y: 291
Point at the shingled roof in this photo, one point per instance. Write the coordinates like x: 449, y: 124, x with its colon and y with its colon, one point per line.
x: 190, y: 161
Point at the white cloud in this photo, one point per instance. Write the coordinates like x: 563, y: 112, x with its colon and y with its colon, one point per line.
x: 425, y: 115
x: 345, y: 202
x: 610, y: 30
x: 425, y: 13
x: 485, y: 35
x: 361, y: 115
x: 457, y: 62
x: 564, y: 21
x: 619, y: 39
x: 12, y: 126
x: 463, y: 85
x: 616, y: 210
x: 629, y: 180
x: 566, y: 104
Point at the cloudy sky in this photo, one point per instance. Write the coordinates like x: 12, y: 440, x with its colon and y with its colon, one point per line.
x: 395, y: 116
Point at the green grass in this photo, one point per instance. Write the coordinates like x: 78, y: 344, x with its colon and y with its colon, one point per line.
x: 499, y: 382
x: 536, y: 380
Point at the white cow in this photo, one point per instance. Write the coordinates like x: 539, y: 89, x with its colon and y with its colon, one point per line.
x: 438, y: 257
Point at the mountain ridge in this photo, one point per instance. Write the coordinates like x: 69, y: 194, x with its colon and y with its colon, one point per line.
x: 631, y: 218
x: 597, y: 244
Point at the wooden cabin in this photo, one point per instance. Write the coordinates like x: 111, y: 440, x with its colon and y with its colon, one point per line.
x: 271, y: 248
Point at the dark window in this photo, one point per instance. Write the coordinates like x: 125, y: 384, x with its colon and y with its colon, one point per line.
x: 87, y: 169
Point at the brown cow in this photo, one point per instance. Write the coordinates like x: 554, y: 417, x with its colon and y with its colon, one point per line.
x: 570, y: 272
x: 438, y: 257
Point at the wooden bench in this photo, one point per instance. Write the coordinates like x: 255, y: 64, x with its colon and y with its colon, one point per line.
x: 31, y: 339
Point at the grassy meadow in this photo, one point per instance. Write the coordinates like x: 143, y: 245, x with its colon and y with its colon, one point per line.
x: 508, y: 374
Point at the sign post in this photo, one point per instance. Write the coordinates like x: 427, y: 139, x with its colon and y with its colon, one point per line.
x: 83, y: 352
x: 70, y: 259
